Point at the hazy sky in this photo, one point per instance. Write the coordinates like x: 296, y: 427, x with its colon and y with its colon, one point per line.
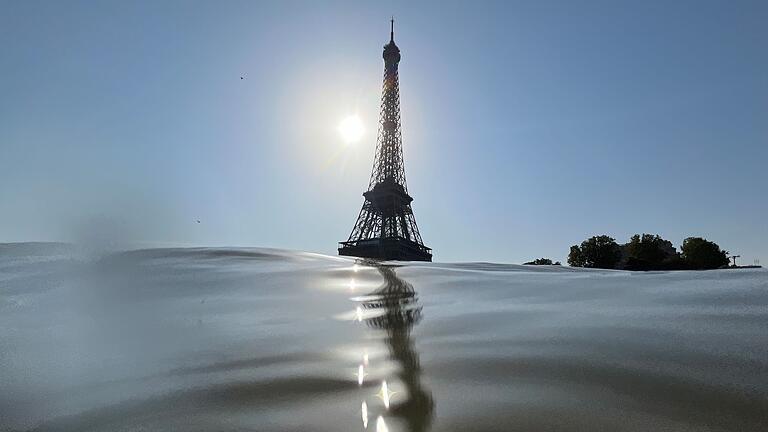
x: 528, y: 125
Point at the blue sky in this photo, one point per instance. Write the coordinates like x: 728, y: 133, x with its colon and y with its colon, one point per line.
x: 528, y: 125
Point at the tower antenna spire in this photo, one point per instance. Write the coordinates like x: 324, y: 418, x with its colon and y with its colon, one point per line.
x: 392, y: 29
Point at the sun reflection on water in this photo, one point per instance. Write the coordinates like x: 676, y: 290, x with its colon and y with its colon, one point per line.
x: 360, y: 375
x: 385, y: 394
x: 381, y: 425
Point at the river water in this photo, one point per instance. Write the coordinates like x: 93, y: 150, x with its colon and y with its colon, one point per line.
x: 212, y: 339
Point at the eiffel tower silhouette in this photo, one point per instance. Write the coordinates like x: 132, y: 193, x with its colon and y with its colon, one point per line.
x: 386, y: 228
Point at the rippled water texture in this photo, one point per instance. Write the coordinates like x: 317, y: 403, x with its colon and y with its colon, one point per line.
x: 266, y: 340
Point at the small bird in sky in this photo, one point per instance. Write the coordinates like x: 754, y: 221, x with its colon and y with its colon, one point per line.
x: 242, y: 78
x: 198, y: 221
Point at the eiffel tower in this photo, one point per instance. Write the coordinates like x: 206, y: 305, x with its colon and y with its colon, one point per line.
x: 386, y: 228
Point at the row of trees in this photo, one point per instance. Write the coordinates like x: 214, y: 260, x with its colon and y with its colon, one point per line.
x: 542, y: 261
x: 647, y: 252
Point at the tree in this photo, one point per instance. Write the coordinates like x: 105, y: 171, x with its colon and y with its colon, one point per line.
x: 700, y: 254
x: 540, y: 261
x: 575, y: 257
x: 595, y: 252
x: 649, y: 252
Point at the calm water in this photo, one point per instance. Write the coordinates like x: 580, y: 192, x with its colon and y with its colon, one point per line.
x: 265, y: 340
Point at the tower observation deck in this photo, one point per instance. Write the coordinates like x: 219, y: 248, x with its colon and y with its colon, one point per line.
x: 386, y: 228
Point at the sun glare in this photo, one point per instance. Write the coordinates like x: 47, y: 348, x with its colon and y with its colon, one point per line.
x: 351, y: 129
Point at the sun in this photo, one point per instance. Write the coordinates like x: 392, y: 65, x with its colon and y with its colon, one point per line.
x: 351, y: 129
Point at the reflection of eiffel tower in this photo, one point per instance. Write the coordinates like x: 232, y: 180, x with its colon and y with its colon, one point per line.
x: 400, y: 311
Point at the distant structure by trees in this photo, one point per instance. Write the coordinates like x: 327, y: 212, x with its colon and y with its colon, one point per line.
x: 542, y: 261
x: 647, y: 252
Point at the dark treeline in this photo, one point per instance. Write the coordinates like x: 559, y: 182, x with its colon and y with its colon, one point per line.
x: 647, y: 252
x: 542, y: 261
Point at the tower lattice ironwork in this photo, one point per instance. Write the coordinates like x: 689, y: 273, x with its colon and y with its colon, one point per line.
x: 386, y: 227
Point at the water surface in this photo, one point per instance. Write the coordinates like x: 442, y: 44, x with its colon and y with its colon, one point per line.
x: 267, y: 340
